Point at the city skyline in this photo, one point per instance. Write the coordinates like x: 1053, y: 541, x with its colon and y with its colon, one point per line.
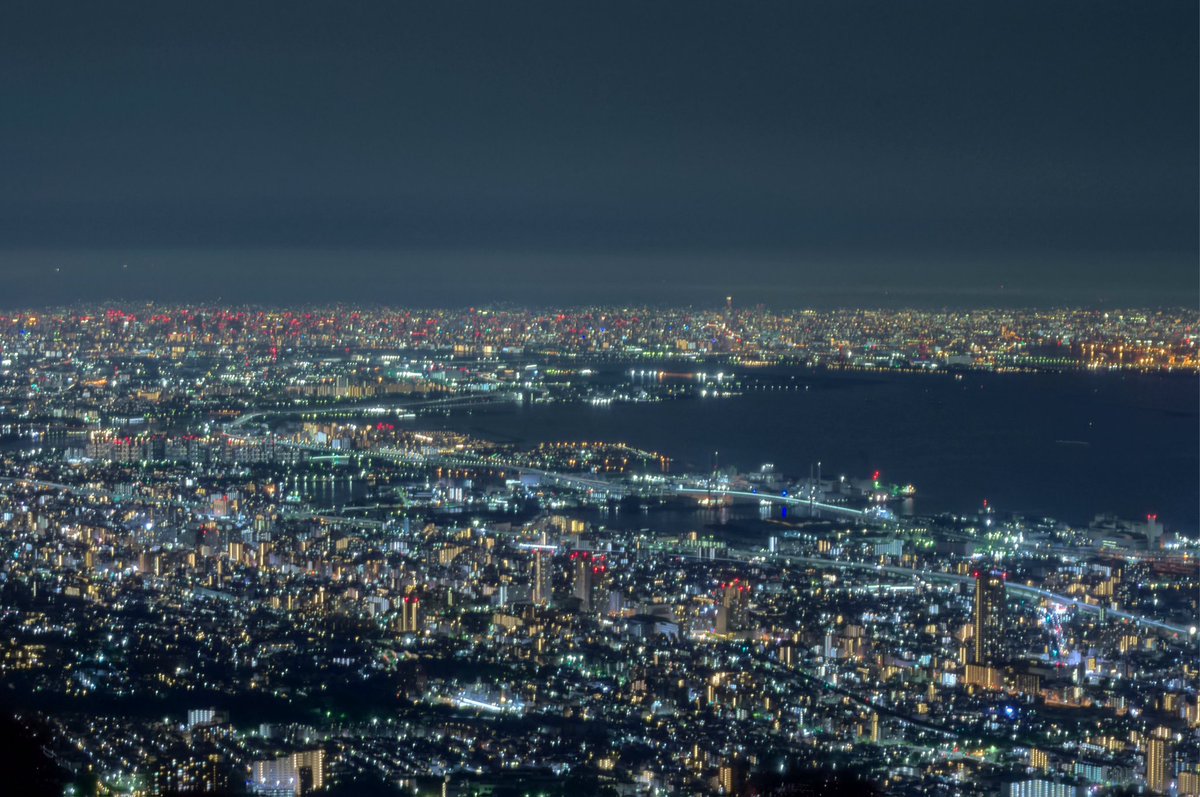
x: 632, y: 399
x: 393, y: 552
x: 836, y: 154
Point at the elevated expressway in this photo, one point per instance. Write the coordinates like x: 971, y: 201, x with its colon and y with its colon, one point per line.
x: 1011, y: 587
x: 786, y: 500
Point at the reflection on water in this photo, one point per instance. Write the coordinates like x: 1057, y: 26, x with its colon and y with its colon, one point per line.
x: 740, y: 519
x: 326, y: 491
x: 960, y: 441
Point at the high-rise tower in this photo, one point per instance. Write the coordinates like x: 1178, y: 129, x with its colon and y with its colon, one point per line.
x: 735, y: 602
x: 584, y: 583
x: 989, y: 617
x: 589, y: 572
x: 410, y: 617
x: 1160, y: 763
x: 543, y: 572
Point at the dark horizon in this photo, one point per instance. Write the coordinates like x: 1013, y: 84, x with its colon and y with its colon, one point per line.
x: 626, y: 398
x: 847, y: 153
x: 459, y: 280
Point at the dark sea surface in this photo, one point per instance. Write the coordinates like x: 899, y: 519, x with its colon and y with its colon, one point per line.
x: 1061, y: 445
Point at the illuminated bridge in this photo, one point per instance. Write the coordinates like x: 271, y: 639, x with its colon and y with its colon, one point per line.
x: 786, y: 500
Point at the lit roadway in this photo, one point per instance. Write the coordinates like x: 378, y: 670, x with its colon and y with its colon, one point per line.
x: 607, y: 487
x: 97, y: 492
x: 787, y: 500
x: 934, y: 575
x: 1020, y: 589
x: 197, y: 507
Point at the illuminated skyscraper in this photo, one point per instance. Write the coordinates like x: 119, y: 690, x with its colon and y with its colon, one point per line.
x: 735, y: 604
x: 410, y: 615
x: 989, y: 617
x: 1160, y: 761
x: 732, y: 776
x: 587, y: 572
x: 543, y: 571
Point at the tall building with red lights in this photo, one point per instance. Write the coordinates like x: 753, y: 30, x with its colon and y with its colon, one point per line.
x: 735, y: 605
x: 589, y: 571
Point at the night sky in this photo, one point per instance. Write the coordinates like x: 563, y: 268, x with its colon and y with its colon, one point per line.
x: 800, y: 153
